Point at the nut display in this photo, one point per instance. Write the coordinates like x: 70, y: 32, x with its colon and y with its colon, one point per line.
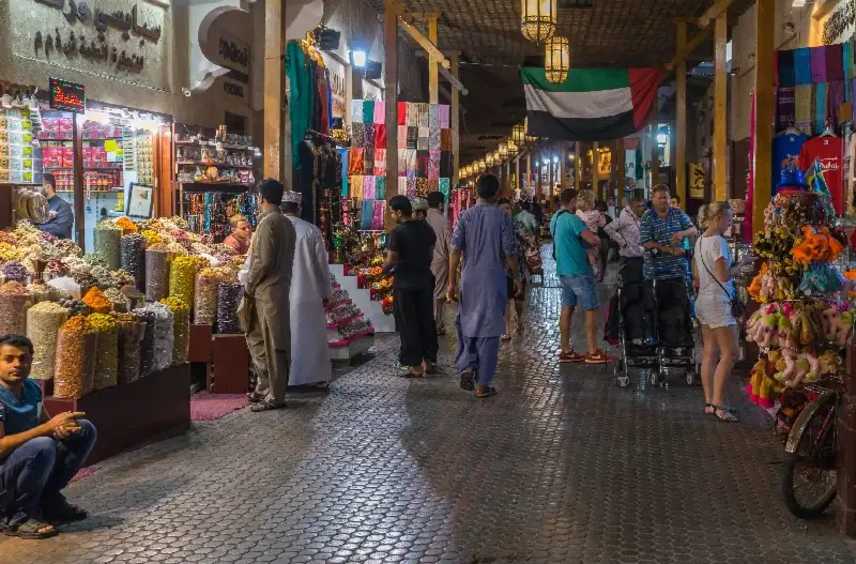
x: 157, y: 274
x: 181, y: 329
x: 228, y: 297
x: 75, y: 359
x: 14, y: 301
x: 131, y: 333
x: 205, y: 295
x: 107, y: 350
x: 107, y: 240
x: 132, y: 250
x: 43, y: 323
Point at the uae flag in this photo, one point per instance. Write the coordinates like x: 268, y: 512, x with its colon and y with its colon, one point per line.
x: 592, y: 104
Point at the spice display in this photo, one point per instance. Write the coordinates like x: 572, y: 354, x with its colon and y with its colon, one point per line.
x: 97, y: 301
x: 82, y: 274
x: 120, y: 302
x: 151, y: 237
x: 135, y: 297
x: 14, y: 270
x: 162, y: 319
x: 93, y: 259
x: 205, y: 295
x: 107, y: 350
x: 181, y: 329
x: 157, y: 274
x: 182, y: 276
x: 107, y: 241
x: 8, y: 252
x: 56, y: 267
x: 75, y: 307
x: 228, y: 296
x: 147, y: 343
x: 131, y: 333
x: 42, y: 293
x: 126, y: 225
x: 75, y: 359
x: 43, y: 322
x: 14, y: 300
x: 133, y: 258
x: 121, y: 278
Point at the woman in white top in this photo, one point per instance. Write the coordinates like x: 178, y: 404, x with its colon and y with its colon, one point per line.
x: 714, y: 272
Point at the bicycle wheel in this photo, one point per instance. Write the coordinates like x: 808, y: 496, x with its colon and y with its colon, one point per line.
x: 809, y: 485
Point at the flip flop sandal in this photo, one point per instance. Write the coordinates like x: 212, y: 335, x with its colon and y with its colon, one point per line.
x: 32, y: 529
x: 724, y: 415
x: 266, y: 405
x: 255, y: 397
x: 485, y: 392
x: 468, y: 380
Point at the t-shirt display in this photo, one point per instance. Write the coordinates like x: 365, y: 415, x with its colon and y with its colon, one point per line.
x: 786, y: 152
x: 829, y: 152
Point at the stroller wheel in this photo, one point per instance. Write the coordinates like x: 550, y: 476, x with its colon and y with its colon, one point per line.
x: 622, y: 378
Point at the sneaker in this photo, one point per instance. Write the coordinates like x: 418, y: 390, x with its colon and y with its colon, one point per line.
x: 596, y: 357
x: 571, y: 356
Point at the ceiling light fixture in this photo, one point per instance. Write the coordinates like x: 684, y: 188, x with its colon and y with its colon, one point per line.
x: 557, y: 59
x: 538, y: 20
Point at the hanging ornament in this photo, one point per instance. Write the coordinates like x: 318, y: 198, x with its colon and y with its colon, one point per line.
x: 538, y: 20
x: 557, y: 59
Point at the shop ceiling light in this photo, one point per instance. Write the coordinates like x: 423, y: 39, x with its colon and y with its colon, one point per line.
x: 518, y: 134
x: 503, y: 150
x: 482, y: 165
x: 799, y: 3
x: 512, y: 148
x: 557, y: 59
x: 359, y: 58
x: 538, y: 20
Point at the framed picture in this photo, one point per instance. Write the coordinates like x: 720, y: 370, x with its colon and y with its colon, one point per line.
x: 141, y: 200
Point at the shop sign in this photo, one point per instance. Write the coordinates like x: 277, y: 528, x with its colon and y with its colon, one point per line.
x: 337, y: 88
x: 696, y: 180
x: 118, y: 39
x: 233, y: 89
x: 68, y: 96
x: 233, y: 54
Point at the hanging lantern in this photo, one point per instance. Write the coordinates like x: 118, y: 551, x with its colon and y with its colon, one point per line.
x: 557, y: 59
x: 528, y: 138
x: 489, y: 160
x: 503, y: 150
x: 518, y: 134
x: 482, y: 165
x: 513, y: 149
x: 538, y: 20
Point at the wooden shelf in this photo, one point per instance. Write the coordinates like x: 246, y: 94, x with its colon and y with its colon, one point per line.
x: 234, y: 187
x: 218, y: 165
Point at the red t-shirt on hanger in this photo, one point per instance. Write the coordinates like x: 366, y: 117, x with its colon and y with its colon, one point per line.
x: 830, y: 152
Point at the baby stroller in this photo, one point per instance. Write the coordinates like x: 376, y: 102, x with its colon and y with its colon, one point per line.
x: 675, y: 331
x: 632, y: 323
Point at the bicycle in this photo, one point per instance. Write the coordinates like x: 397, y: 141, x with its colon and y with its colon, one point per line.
x: 811, y: 452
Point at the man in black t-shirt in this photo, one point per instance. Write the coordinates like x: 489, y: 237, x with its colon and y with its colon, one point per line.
x: 410, y: 249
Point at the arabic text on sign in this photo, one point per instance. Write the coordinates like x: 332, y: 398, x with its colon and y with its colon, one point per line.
x: 122, y: 21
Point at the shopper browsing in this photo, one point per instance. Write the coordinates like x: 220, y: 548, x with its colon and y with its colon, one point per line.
x: 410, y: 250
x: 60, y: 217
x: 626, y: 232
x: 570, y: 236
x: 440, y: 261
x: 39, y: 454
x: 663, y: 231
x: 516, y: 300
x: 484, y: 238
x: 714, y: 272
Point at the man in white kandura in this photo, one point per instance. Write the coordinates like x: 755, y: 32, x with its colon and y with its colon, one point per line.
x: 311, y: 291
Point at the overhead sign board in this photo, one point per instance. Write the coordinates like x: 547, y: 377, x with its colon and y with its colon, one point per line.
x: 68, y: 96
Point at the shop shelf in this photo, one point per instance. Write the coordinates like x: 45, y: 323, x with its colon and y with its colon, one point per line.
x: 218, y: 165
x: 212, y: 187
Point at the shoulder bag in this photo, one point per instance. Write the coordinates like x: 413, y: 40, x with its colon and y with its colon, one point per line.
x: 738, y: 309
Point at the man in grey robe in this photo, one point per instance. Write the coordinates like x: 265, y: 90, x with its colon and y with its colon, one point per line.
x: 484, y: 236
x: 268, y: 328
x: 440, y: 262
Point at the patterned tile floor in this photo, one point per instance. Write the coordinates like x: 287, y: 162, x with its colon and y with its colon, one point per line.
x: 562, y: 466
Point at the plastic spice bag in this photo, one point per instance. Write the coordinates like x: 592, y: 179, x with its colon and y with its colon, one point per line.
x: 164, y: 335
x: 14, y: 301
x: 228, y: 296
x: 147, y: 344
x: 181, y: 330
x: 131, y: 334
x: 43, y: 322
x: 107, y: 350
x: 75, y: 359
x: 133, y: 258
x: 107, y: 243
x: 182, y: 275
x: 205, y: 296
x: 157, y: 274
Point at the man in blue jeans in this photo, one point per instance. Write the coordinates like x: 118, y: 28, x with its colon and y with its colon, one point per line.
x: 570, y: 235
x: 39, y: 455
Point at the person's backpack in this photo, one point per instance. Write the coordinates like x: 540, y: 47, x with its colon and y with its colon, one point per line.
x: 553, y: 232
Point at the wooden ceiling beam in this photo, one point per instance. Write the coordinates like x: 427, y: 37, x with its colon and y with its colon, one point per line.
x: 691, y: 46
x: 713, y: 12
x: 405, y: 21
x: 425, y: 16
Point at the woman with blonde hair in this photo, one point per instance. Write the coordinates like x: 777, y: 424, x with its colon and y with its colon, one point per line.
x: 594, y: 221
x: 714, y: 271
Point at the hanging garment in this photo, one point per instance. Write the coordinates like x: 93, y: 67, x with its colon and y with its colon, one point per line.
x: 445, y: 187
x: 786, y: 152
x: 370, y: 136
x: 412, y: 137
x: 378, y: 210
x: 445, y: 114
x: 836, y: 95
x: 402, y: 137
x: 380, y: 113
x: 412, y: 115
x: 369, y: 186
x: 380, y: 188
x: 355, y: 162
x: 345, y: 170
x: 434, y: 116
x: 802, y: 66
x: 447, y: 165
x: 422, y: 158
x: 368, y: 111
x: 310, y: 285
x: 829, y: 151
x: 380, y: 162
x: 834, y: 62
x: 411, y: 188
x: 422, y: 112
x: 358, y: 134
x: 410, y: 165
x: 402, y: 114
x: 357, y: 111
x: 366, y: 215
x: 803, y: 111
x: 301, y: 101
x: 380, y: 136
x: 368, y: 162
x: 433, y: 164
x: 402, y: 163
x: 787, y: 77
x: 402, y: 186
x: 434, y: 139
x: 445, y: 139
x: 784, y: 109
x: 818, y: 64
x: 820, y: 108
x: 357, y: 183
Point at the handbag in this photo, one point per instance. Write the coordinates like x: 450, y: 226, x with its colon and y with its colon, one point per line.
x: 738, y: 309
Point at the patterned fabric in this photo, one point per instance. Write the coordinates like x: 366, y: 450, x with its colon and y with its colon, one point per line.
x: 380, y: 113
x: 380, y: 136
x: 412, y: 115
x: 445, y: 187
x: 423, y: 115
x: 402, y: 162
x: 412, y: 137
x: 355, y: 163
x: 445, y: 139
x: 434, y: 117
x: 358, y: 135
x: 357, y: 183
x: 370, y: 136
x: 422, y: 158
x: 357, y: 112
x: 411, y: 162
x: 377, y: 214
x: 785, y: 108
x: 368, y: 162
x: 434, y: 139
x: 423, y: 143
x: 380, y: 188
x: 433, y: 164
x: 660, y: 230
x: 369, y: 186
x: 445, y: 114
x: 380, y: 162
x: 433, y: 185
x: 803, y: 117
x: 423, y: 186
x: 625, y: 231
x: 402, y: 186
x: 411, y: 187
x: 402, y: 136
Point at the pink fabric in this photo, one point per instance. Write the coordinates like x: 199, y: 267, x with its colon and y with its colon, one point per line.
x: 380, y: 113
x: 377, y: 214
x: 445, y: 114
x: 402, y: 136
x: 433, y: 164
x: 369, y: 187
x: 380, y: 162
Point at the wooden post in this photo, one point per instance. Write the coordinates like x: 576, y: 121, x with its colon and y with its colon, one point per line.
x: 390, y: 29
x: 79, y: 189
x: 578, y: 164
x: 274, y: 91
x: 681, y: 119
x: 720, y: 112
x: 456, y: 121
x: 764, y: 103
x: 433, y: 68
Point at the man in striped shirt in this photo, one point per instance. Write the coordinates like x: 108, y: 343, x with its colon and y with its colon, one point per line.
x: 662, y: 233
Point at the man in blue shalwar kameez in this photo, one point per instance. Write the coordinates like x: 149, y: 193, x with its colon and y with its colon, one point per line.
x: 484, y: 236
